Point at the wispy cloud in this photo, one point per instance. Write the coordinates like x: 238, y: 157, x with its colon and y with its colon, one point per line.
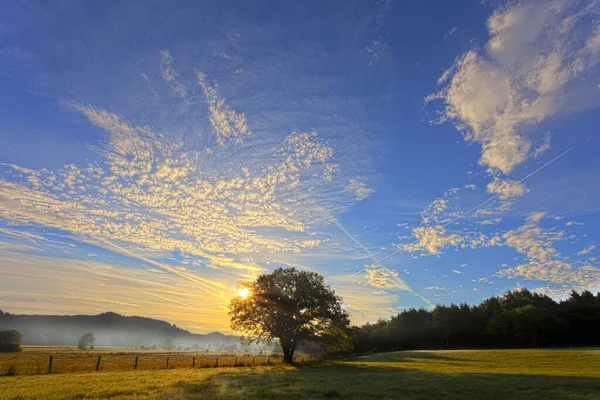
x: 587, y: 250
x: 170, y: 75
x: 228, y: 125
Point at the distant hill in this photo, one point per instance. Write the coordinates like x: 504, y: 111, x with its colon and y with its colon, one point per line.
x: 110, y: 329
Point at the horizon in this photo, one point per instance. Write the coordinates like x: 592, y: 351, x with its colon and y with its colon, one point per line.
x: 413, y: 154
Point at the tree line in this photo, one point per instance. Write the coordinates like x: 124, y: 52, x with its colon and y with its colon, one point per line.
x: 518, y: 318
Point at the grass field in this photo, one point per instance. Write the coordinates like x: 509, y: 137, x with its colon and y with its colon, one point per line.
x: 473, y: 374
x: 34, y: 360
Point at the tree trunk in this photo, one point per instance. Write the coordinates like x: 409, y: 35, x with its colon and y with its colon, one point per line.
x: 288, y: 354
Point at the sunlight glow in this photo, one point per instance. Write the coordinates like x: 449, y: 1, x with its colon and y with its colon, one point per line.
x: 243, y: 293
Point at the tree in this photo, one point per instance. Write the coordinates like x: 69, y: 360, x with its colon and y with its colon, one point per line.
x: 287, y: 305
x: 86, y: 340
x: 168, y: 344
x: 10, y: 340
x: 538, y: 326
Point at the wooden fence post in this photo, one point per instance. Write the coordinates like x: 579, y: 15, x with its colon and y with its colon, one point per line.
x: 217, y: 362
x: 50, y: 365
x: 98, y: 364
x: 235, y: 362
x: 167, y: 362
x: 193, y: 362
x: 253, y: 361
x: 136, y: 361
x: 268, y: 359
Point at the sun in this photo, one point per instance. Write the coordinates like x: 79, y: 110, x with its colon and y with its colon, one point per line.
x: 243, y: 293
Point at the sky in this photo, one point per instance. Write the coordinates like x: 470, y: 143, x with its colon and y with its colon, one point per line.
x: 414, y: 153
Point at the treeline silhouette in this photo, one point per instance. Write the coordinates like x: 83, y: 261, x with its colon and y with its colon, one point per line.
x: 519, y: 318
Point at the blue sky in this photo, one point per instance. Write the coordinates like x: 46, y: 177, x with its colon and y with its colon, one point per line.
x: 414, y: 153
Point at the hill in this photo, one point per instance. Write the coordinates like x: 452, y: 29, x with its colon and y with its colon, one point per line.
x: 110, y: 329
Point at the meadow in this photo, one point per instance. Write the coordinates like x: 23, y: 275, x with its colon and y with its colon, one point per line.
x: 460, y: 374
x: 36, y: 360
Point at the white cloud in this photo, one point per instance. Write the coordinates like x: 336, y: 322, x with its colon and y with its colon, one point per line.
x: 494, y: 221
x: 228, y: 124
x: 535, y: 50
x: 457, y: 271
x: 384, y: 278
x: 358, y: 189
x: 170, y: 75
x: 544, y: 261
x: 432, y: 239
x: 159, y: 197
x: 450, y: 32
x: 543, y: 147
x: 587, y: 250
x: 506, y: 188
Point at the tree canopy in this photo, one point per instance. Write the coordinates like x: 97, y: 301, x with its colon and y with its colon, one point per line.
x: 10, y: 340
x: 289, y: 306
x: 87, y: 340
x: 519, y: 318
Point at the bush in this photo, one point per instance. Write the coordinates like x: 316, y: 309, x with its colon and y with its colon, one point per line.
x: 10, y: 341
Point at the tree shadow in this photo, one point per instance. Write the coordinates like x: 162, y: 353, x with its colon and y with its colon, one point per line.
x: 355, y: 381
x: 407, y: 356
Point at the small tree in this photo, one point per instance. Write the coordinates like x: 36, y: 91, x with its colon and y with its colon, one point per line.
x: 86, y: 340
x: 168, y: 344
x: 287, y: 305
x: 10, y: 341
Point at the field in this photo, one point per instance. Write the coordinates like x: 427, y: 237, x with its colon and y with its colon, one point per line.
x: 470, y: 374
x: 35, y: 360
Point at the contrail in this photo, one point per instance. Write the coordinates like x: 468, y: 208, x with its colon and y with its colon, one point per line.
x: 333, y: 220
x: 207, y: 287
x: 463, y: 215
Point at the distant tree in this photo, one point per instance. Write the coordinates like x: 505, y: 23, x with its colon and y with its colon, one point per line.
x: 536, y: 326
x: 519, y: 318
x: 168, y: 344
x: 85, y: 341
x: 10, y: 341
x: 289, y: 306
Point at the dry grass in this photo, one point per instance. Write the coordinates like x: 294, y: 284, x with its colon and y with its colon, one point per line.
x: 35, y: 360
x: 454, y: 375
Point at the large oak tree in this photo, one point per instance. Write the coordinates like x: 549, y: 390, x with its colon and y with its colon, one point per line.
x: 287, y: 305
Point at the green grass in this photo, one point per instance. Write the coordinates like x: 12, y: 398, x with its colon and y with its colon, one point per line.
x: 492, y: 374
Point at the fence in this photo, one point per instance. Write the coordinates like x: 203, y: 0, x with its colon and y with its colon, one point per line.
x: 29, y: 364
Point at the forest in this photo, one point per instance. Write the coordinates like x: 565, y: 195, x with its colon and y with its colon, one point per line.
x: 519, y: 318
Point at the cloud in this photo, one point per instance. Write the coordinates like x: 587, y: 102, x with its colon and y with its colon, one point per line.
x: 543, y: 147
x: 156, y: 195
x: 544, y: 261
x: 587, y: 250
x: 432, y: 239
x: 536, y: 49
x: 170, y: 75
x: 433, y: 210
x: 358, y: 189
x: 450, y: 32
x: 457, y: 271
x: 228, y: 125
x: 58, y: 281
x: 506, y: 189
x: 494, y: 221
x: 384, y: 278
